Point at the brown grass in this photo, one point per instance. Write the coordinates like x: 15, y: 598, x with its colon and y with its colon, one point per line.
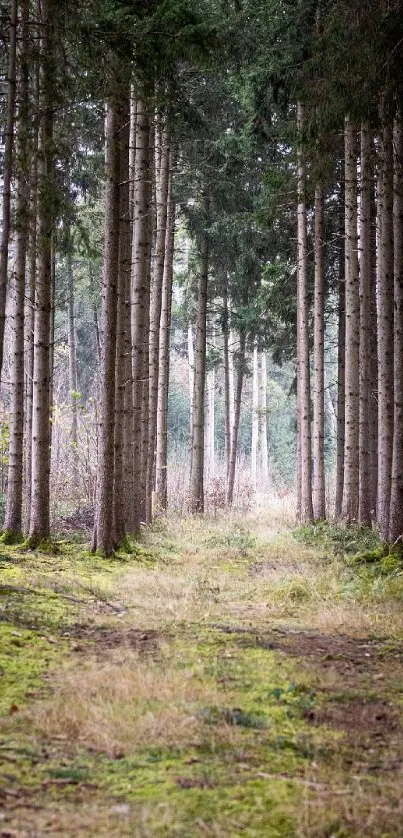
x: 128, y: 704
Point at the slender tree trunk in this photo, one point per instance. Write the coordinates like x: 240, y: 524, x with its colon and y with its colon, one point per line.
x: 197, y: 457
x: 39, y: 515
x: 341, y: 380
x: 303, y: 368
x: 30, y: 305
x: 73, y: 375
x: 385, y: 325
x: 162, y: 187
x: 94, y: 312
x: 7, y: 170
x: 351, y: 461
x: 13, y: 516
x: 103, y: 536
x: 225, y: 328
x: 263, y: 418
x: 237, y: 416
x: 210, y: 424
x: 140, y: 294
x: 121, y: 377
x: 232, y: 350
x: 373, y: 390
x: 164, y: 354
x: 191, y: 374
x: 255, y: 417
x: 364, y: 511
x: 319, y: 494
x: 396, y: 499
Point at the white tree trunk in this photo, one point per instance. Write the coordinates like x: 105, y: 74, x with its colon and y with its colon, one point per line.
x: 264, y: 454
x: 255, y: 417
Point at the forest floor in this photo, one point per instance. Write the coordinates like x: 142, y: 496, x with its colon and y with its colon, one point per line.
x: 228, y: 678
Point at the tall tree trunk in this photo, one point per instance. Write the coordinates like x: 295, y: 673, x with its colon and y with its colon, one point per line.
x: 197, y: 456
x: 7, y: 170
x: 237, y: 416
x: 39, y: 515
x: 164, y: 354
x: 122, y: 381
x: 255, y: 417
x: 364, y: 510
x: 140, y: 294
x: 13, y: 516
x: 319, y: 495
x: 396, y: 498
x: 210, y: 423
x: 94, y: 311
x: 351, y: 461
x: 73, y: 375
x: 191, y: 375
x: 303, y: 368
x: 103, y: 537
x: 385, y: 323
x: 373, y: 390
x: 30, y: 303
x: 162, y: 185
x: 264, y: 455
x: 225, y: 329
x: 341, y: 374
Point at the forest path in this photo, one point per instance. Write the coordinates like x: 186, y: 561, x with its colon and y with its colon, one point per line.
x: 225, y: 680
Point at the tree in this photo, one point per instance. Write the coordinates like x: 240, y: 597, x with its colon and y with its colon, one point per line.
x: 352, y: 304
x: 305, y: 508
x: 39, y: 526
x: 103, y: 536
x: 13, y: 516
x: 7, y: 169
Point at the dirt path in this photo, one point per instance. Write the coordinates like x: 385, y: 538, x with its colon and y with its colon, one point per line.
x: 242, y: 685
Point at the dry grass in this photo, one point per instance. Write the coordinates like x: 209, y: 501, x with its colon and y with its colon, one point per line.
x: 128, y: 704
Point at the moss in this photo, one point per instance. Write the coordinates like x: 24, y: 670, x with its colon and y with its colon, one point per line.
x: 42, y: 545
x: 11, y: 537
x: 24, y: 658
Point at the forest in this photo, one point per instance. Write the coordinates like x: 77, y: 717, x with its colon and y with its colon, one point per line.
x: 201, y: 418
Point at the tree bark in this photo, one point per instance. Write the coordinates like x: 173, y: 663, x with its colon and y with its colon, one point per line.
x: 385, y: 324
x: 364, y: 506
x: 162, y: 185
x: 30, y: 302
x: 191, y: 376
x: 264, y: 455
x: 255, y: 417
x: 73, y: 374
x: 140, y: 295
x: 341, y: 380
x: 122, y: 381
x: 319, y: 496
x: 351, y: 451
x: 237, y: 416
x: 103, y: 536
x: 7, y: 170
x: 396, y: 498
x: 39, y: 515
x: 164, y: 354
x: 197, y: 455
x: 303, y: 368
x: 13, y: 516
x: 225, y: 329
